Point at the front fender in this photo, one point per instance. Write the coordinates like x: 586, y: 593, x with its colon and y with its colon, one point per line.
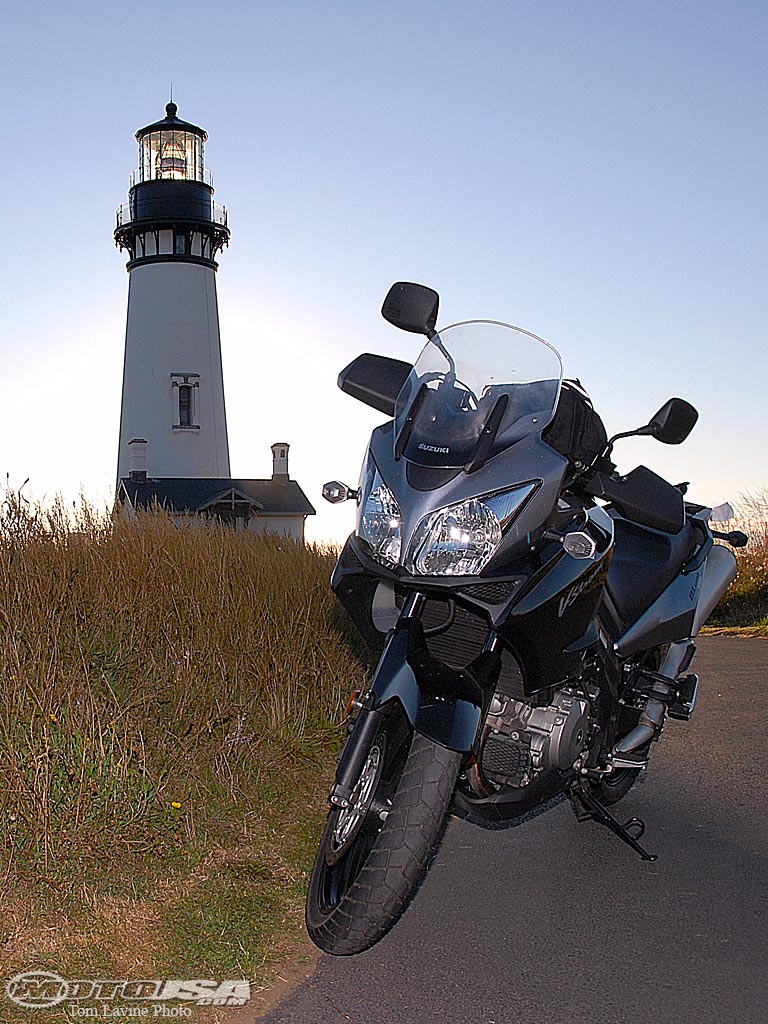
x: 444, y: 704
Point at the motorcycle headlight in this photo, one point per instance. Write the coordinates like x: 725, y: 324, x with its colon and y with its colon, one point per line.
x: 380, y: 524
x: 460, y: 539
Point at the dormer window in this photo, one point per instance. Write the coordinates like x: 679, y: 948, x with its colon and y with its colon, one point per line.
x: 184, y: 388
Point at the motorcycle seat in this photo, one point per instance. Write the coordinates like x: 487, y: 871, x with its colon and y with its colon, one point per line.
x: 645, y: 561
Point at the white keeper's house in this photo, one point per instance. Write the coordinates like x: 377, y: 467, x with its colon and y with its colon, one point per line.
x: 173, y: 448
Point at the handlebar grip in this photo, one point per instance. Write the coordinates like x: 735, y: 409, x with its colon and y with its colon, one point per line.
x: 735, y: 538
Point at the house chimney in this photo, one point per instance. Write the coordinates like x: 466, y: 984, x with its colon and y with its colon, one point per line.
x: 280, y: 462
x: 137, y: 460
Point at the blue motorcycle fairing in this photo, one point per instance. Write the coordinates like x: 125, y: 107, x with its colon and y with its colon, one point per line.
x: 441, y: 703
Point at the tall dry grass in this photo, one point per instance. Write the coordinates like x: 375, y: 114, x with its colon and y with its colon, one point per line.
x: 746, y: 601
x: 151, y: 675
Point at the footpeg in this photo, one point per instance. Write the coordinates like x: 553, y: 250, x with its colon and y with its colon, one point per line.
x: 685, y: 700
x: 679, y: 695
x: 588, y: 808
x: 628, y: 760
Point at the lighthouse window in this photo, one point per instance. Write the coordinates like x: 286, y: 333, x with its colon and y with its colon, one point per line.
x: 183, y: 389
x: 177, y: 155
x: 185, y: 405
x: 180, y: 243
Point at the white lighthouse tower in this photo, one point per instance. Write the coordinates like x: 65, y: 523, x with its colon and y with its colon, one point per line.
x: 173, y: 391
x: 173, y: 449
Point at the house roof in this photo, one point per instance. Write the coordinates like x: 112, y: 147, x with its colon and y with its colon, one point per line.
x: 183, y: 494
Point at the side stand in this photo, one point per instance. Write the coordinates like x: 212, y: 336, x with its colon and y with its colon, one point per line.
x: 588, y: 808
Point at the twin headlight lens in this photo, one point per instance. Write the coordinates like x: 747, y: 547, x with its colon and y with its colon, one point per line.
x: 380, y: 523
x: 457, y: 540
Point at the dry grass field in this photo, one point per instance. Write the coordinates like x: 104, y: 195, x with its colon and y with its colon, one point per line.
x: 170, y: 707
x: 745, y: 605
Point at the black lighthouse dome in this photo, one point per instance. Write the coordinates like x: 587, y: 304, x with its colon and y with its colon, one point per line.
x: 171, y: 195
x: 170, y: 119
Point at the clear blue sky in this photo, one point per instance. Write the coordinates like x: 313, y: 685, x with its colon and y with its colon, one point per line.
x: 592, y: 171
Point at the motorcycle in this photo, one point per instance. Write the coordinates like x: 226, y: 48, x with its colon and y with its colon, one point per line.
x: 533, y: 609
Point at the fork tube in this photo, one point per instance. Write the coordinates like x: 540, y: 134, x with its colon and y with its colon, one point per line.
x: 492, y: 642
x: 414, y: 603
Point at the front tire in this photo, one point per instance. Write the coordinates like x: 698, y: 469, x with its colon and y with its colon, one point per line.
x: 373, y: 855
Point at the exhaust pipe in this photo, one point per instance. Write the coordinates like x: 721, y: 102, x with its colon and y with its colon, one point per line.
x: 679, y: 657
x: 719, y: 573
x: 651, y: 721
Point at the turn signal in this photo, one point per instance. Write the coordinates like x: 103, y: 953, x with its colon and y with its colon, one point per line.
x: 579, y: 545
x: 335, y: 491
x: 352, y: 702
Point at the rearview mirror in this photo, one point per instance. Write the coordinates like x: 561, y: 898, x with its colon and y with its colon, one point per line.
x: 411, y: 307
x: 673, y: 422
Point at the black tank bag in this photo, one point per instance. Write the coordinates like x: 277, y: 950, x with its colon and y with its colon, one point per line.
x: 576, y: 431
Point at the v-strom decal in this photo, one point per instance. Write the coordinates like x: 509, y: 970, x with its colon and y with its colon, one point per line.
x: 589, y: 581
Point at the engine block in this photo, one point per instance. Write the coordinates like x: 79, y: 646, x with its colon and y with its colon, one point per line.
x: 521, y: 740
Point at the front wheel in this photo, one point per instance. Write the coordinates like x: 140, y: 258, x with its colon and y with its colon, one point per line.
x: 374, y: 854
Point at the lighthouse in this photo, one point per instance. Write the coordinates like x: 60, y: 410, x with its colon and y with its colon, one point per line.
x: 172, y: 230
x: 173, y: 449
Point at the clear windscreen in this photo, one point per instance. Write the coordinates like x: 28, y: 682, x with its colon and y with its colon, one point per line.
x: 477, y: 387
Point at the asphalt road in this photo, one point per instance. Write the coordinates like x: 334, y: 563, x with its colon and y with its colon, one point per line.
x: 556, y: 922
